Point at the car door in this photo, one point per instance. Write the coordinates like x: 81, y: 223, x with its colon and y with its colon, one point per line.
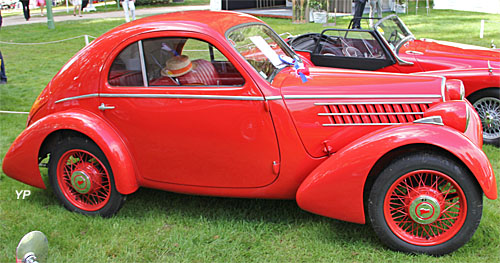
x: 208, y: 127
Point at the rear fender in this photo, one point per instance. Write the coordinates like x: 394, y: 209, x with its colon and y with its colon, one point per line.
x: 335, y: 188
x: 21, y: 161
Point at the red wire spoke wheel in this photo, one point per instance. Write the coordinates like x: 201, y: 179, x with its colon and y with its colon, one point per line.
x: 425, y: 208
x: 425, y: 202
x: 84, y: 180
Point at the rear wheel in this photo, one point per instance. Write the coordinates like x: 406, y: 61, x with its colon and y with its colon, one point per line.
x: 487, y: 104
x: 82, y: 179
x: 425, y: 203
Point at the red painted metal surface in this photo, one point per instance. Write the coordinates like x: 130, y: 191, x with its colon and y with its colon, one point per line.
x: 256, y: 138
x: 335, y: 188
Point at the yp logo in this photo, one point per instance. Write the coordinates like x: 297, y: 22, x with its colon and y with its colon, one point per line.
x: 25, y: 193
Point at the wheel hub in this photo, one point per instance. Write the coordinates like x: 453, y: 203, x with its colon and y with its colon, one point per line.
x: 85, y: 178
x: 425, y: 209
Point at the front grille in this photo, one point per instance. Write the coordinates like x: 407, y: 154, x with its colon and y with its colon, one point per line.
x: 371, y: 113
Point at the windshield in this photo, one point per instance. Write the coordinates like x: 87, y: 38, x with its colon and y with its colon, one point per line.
x: 394, y: 31
x: 262, y: 48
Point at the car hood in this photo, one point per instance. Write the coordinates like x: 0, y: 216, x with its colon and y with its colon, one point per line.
x: 438, y: 55
x: 402, y: 97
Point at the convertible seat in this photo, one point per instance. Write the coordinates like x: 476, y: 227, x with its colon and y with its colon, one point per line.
x: 203, y: 73
x: 125, y: 78
x: 163, y: 81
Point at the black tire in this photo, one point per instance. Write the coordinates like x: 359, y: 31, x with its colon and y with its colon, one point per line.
x: 487, y: 104
x: 82, y: 179
x: 419, y: 182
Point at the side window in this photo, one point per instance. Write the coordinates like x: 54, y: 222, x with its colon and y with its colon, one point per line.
x: 189, y: 62
x: 126, y: 68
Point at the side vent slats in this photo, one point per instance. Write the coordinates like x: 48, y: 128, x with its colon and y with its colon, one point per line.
x: 371, y: 113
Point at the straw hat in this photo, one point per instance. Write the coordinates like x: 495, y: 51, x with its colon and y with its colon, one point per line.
x: 177, y: 66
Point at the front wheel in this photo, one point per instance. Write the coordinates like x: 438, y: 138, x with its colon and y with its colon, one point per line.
x: 487, y: 104
x: 425, y: 203
x: 81, y: 178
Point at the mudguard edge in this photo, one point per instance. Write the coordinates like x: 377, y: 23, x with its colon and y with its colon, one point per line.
x: 21, y: 161
x: 335, y: 188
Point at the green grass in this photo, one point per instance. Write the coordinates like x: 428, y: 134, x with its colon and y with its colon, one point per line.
x: 159, y: 226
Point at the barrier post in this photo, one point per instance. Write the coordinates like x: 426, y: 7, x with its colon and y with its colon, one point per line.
x: 481, y: 31
x: 50, y: 17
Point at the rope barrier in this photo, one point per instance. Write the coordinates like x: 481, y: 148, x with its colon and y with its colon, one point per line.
x: 13, y: 112
x: 50, y: 42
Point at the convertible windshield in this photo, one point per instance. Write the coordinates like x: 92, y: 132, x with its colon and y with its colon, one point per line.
x: 262, y: 48
x: 394, y: 31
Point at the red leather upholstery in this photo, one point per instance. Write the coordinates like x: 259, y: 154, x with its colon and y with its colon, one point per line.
x: 163, y: 81
x: 126, y: 78
x: 203, y: 73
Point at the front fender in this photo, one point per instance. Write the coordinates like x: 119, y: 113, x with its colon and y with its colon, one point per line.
x: 21, y: 161
x: 335, y: 188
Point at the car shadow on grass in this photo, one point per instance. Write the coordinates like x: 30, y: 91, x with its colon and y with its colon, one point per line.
x: 281, y: 213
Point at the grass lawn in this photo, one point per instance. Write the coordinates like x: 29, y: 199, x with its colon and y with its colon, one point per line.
x: 159, y: 226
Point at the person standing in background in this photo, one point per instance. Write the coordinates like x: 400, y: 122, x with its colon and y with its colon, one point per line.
x: 3, y: 77
x: 78, y: 6
x: 375, y: 4
x: 26, y: 9
x: 359, y: 7
x: 129, y: 4
x: 41, y: 4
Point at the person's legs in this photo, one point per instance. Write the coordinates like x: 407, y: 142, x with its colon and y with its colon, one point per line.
x: 373, y: 4
x: 379, y: 8
x: 125, y: 9
x: 42, y: 5
x: 132, y: 9
x: 3, y: 77
x: 26, y: 9
x: 358, y: 13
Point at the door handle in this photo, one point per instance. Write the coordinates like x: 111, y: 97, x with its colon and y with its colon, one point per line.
x: 104, y: 107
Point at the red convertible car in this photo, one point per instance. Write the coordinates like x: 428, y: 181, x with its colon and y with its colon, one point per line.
x: 391, y: 47
x: 187, y: 103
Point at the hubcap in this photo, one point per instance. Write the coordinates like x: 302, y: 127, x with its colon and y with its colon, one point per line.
x: 424, y: 209
x: 488, y: 109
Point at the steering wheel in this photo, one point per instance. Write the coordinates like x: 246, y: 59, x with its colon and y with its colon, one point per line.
x: 394, y: 34
x: 352, y: 52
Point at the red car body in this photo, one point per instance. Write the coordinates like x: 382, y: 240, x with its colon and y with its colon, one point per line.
x: 251, y: 136
x: 477, y: 67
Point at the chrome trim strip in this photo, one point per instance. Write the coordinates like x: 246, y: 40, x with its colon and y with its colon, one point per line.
x: 165, y: 96
x: 361, y: 124
x: 371, y: 103
x: 94, y: 95
x: 183, y: 96
x: 143, y: 64
x: 369, y: 114
x: 443, y: 88
x: 274, y: 98
x: 437, y: 120
x: 374, y: 96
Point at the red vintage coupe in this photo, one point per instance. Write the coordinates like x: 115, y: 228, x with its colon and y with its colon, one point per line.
x: 390, y: 47
x: 215, y: 103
